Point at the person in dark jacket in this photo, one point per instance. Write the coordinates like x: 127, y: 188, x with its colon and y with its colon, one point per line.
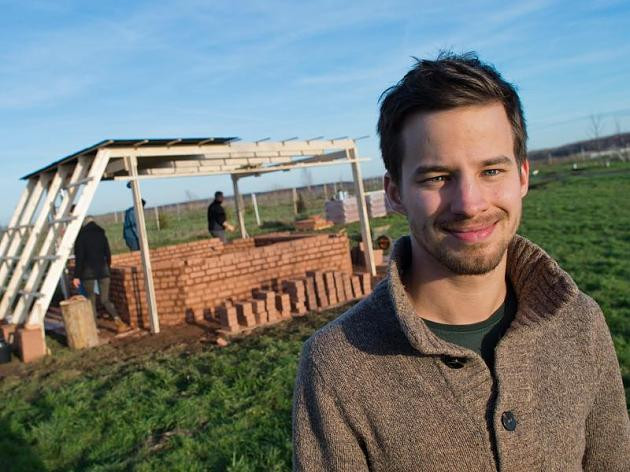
x: 217, y: 223
x: 92, y: 263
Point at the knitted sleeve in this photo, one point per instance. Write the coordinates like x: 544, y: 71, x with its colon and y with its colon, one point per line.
x: 607, y: 425
x: 322, y: 436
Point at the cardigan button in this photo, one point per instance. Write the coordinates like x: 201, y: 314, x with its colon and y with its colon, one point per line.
x: 508, y: 420
x: 454, y: 362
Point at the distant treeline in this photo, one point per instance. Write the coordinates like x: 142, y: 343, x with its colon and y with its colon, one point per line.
x: 604, y: 143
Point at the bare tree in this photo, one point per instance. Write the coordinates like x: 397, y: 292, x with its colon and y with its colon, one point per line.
x: 307, y: 178
x: 191, y: 196
x: 595, y: 129
x: 617, y: 125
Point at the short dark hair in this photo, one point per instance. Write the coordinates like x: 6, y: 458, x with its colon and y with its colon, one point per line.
x: 218, y: 194
x: 450, y: 81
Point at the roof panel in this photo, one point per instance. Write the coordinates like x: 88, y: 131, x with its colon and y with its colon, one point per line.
x: 114, y: 143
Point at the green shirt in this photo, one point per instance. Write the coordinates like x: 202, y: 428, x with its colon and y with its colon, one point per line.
x: 480, y: 337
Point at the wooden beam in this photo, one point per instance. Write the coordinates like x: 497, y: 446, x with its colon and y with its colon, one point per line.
x: 238, y: 171
x: 154, y: 321
x: 35, y: 192
x: 307, y: 147
x: 366, y: 233
x: 238, y: 204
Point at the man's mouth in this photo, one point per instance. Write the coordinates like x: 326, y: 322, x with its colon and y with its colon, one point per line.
x: 472, y: 234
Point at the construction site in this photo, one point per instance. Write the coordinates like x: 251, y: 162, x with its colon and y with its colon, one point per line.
x: 227, y: 287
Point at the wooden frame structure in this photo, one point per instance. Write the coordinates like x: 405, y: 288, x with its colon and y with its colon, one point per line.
x: 41, y: 233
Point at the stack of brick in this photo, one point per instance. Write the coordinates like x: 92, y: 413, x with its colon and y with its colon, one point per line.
x: 269, y: 299
x: 376, y: 204
x: 314, y: 223
x: 347, y: 211
x: 342, y: 211
x: 296, y: 289
x: 293, y: 297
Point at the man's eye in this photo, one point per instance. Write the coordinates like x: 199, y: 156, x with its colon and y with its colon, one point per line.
x: 492, y: 172
x: 435, y: 179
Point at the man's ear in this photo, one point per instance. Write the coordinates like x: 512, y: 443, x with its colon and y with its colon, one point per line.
x: 392, y: 193
x: 524, y: 177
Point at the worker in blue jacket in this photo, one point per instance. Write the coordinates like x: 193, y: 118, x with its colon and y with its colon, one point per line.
x: 130, y: 229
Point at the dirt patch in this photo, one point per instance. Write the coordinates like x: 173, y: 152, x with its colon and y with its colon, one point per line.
x: 141, y: 344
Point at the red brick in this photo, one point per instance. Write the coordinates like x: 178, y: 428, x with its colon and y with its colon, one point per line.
x: 356, y: 286
x: 245, y: 314
x: 228, y: 318
x: 347, y: 286
x: 260, y: 311
x: 283, y: 304
x: 331, y: 288
x: 341, y: 293
x: 30, y: 343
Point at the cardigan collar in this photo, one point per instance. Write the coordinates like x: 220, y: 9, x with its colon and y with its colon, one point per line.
x: 542, y: 289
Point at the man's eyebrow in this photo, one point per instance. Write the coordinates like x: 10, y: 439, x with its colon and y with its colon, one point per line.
x: 435, y: 169
x: 499, y: 160
x: 420, y: 170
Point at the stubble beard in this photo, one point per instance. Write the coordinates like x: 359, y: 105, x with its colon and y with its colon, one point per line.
x: 473, y: 259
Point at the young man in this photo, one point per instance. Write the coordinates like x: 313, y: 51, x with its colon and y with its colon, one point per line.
x: 217, y: 223
x: 478, y: 352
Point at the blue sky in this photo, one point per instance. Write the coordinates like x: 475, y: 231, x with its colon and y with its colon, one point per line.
x: 73, y: 73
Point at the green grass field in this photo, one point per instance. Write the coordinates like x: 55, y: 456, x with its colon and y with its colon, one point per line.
x: 192, y: 406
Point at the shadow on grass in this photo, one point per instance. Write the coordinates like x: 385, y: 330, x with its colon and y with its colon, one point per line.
x: 16, y: 454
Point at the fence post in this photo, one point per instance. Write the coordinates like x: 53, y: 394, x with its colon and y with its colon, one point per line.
x: 255, y: 204
x: 157, y: 218
x: 294, y: 197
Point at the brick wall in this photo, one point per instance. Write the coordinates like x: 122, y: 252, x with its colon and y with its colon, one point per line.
x: 193, y: 279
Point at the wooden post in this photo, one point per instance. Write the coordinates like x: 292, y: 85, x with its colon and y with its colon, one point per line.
x: 78, y: 318
x: 294, y: 198
x: 238, y: 204
x: 325, y: 192
x: 335, y: 189
x: 154, y: 321
x: 366, y: 233
x: 157, y: 218
x: 115, y: 217
x: 255, y: 204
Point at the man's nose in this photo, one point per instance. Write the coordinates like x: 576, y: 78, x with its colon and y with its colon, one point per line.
x: 468, y: 198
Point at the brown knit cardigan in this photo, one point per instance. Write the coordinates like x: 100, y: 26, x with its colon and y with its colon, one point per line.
x: 377, y: 390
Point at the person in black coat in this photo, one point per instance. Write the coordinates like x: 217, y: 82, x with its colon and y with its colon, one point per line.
x: 217, y: 223
x: 92, y: 263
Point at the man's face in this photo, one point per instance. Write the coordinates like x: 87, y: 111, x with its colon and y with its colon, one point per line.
x: 460, y: 186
